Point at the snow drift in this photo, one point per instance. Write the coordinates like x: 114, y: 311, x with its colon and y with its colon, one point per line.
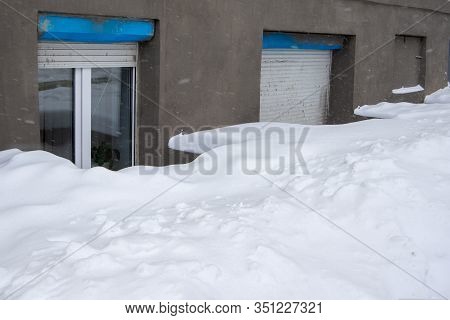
x: 371, y: 220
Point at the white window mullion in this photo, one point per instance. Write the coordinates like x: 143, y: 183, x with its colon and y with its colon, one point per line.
x: 86, y: 118
x: 81, y: 57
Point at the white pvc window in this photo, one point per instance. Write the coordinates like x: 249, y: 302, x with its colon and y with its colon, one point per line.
x: 87, y: 112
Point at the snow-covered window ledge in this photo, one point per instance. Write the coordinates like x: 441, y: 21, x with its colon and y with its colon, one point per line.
x: 407, y: 90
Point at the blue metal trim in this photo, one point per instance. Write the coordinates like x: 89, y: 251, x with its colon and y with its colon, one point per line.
x: 53, y: 27
x: 286, y: 41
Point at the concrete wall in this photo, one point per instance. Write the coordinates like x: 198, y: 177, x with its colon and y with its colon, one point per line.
x: 203, y: 68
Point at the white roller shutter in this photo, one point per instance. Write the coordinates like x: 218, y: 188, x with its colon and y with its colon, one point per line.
x: 295, y: 86
x: 83, y: 55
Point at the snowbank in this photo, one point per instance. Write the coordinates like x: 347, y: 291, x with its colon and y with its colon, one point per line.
x: 233, y: 235
x: 441, y: 96
x: 403, y: 110
x: 436, y: 105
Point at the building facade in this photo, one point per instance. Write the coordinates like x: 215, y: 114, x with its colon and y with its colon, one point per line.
x: 197, y: 64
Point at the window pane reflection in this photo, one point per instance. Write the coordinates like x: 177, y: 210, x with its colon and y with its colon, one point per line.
x: 112, y: 118
x: 56, y: 109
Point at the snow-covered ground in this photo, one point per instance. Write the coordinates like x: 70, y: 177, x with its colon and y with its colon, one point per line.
x: 435, y: 105
x: 370, y: 220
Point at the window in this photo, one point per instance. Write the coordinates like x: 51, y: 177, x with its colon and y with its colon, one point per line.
x: 86, y: 103
x: 409, y: 70
x: 295, y: 77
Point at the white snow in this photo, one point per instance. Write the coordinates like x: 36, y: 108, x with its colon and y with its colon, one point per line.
x: 407, y: 90
x: 403, y: 110
x: 371, y: 220
x: 440, y: 96
x: 435, y: 105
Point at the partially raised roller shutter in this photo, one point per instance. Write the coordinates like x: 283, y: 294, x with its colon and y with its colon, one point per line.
x: 295, y: 85
x: 82, y: 55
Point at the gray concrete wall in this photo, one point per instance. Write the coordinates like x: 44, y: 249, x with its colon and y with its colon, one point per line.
x: 203, y: 68
x: 430, y: 5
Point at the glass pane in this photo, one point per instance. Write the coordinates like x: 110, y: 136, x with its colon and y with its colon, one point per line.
x: 112, y: 118
x: 56, y: 107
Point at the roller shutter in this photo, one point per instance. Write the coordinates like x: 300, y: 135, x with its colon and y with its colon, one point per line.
x: 295, y: 85
x: 82, y: 55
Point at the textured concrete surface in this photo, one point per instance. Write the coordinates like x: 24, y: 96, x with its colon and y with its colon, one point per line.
x: 203, y: 68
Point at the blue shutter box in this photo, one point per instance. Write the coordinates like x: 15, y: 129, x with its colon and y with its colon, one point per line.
x: 53, y: 27
x: 306, y: 42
